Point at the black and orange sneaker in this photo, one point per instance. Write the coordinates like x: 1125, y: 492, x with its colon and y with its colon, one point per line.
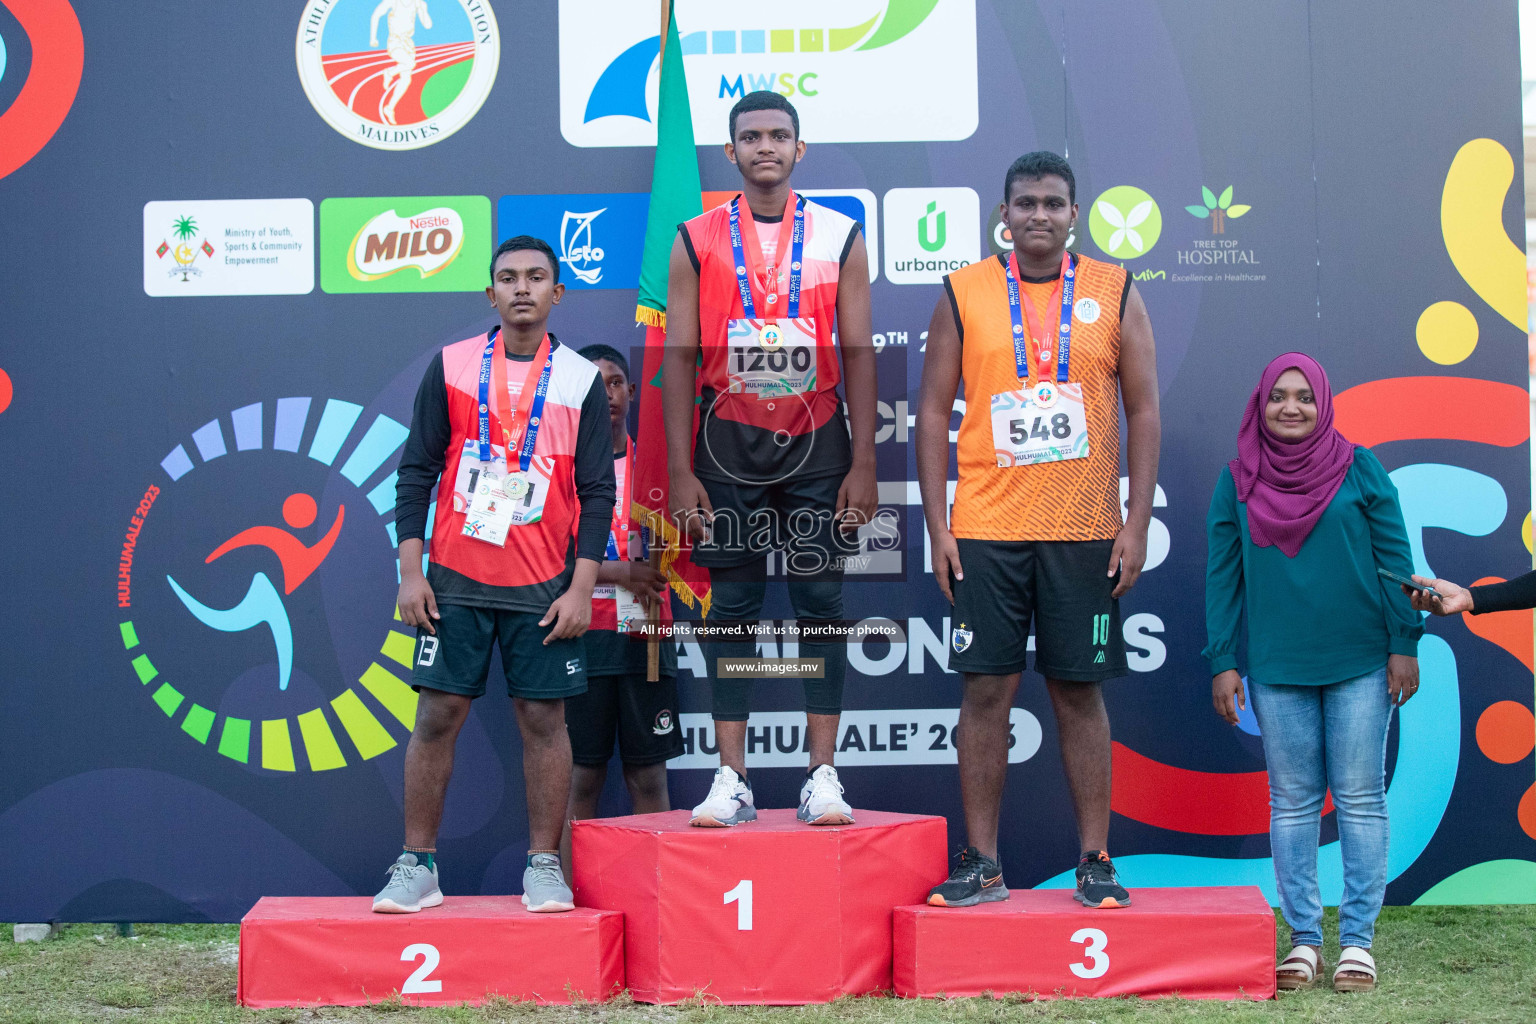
x: 1097, y: 884
x: 972, y: 879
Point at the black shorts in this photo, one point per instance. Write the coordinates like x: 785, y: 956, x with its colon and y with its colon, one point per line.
x: 458, y: 657
x: 1061, y: 585
x: 794, y: 516
x: 642, y: 715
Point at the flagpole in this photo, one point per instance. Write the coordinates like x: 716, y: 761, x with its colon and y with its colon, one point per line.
x: 653, y: 606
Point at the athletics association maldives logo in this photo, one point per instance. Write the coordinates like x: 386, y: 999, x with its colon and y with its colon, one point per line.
x: 255, y: 587
x: 435, y: 67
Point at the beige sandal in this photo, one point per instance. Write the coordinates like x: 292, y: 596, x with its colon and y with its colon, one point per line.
x: 1354, y: 960
x: 1300, y: 969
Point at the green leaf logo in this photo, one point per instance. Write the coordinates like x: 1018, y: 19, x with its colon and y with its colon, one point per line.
x: 1125, y: 222
x: 1218, y: 209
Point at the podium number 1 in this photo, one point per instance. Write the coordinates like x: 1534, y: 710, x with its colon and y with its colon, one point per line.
x: 1094, y: 942
x: 742, y: 897
x: 418, y: 982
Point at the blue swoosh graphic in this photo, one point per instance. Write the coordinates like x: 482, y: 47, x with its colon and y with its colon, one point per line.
x: 261, y: 604
x: 620, y: 89
x: 1448, y: 498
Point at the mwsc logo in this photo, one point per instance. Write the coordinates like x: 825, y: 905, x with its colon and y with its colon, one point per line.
x: 254, y: 587
x: 1125, y: 222
x: 434, y: 69
x: 825, y: 55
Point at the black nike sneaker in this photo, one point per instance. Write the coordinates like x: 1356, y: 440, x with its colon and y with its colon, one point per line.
x: 972, y: 879
x: 1097, y: 884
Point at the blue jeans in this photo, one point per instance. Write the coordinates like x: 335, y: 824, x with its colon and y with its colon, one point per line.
x: 1316, y: 739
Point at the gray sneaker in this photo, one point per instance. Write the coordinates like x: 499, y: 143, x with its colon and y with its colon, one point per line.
x: 544, y: 888
x: 411, y: 887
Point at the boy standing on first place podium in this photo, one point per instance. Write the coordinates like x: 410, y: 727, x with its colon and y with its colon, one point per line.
x: 754, y: 290
x: 1048, y: 343
x: 512, y: 429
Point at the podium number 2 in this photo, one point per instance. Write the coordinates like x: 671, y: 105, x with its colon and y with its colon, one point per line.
x: 742, y: 897
x: 1094, y: 942
x: 418, y: 982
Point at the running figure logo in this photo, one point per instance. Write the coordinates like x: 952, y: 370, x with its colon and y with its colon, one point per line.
x: 401, y: 47
x: 262, y: 605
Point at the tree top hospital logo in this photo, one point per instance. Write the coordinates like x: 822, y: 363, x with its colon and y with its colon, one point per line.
x: 255, y: 588
x: 40, y: 68
x: 397, y: 74
x: 824, y: 55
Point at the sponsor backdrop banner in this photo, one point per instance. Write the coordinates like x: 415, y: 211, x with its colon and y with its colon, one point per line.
x: 239, y: 233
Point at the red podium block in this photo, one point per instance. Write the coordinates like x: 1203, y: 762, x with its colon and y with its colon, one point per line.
x: 1216, y: 943
x: 772, y: 911
x: 334, y: 951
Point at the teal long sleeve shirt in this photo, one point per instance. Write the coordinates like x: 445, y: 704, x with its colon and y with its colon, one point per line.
x: 1323, y: 616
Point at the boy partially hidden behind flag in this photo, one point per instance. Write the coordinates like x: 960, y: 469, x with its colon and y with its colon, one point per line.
x: 619, y: 702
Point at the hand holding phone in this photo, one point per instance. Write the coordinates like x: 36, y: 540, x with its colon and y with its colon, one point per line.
x: 1405, y: 581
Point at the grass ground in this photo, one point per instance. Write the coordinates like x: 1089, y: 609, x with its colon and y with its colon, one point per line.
x: 1440, y: 965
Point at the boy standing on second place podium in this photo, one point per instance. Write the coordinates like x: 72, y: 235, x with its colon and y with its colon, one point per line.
x: 511, y: 428
x: 619, y: 702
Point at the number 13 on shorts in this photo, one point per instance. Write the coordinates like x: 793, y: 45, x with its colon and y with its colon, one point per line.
x: 1024, y: 433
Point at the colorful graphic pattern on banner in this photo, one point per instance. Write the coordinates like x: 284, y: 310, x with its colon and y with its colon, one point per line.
x: 211, y: 673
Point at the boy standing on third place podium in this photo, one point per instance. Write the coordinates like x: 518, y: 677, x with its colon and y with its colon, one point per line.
x: 619, y: 701
x: 1048, y: 343
x: 511, y: 427
x: 754, y: 290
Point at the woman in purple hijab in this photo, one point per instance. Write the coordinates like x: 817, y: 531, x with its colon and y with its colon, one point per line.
x: 1299, y: 523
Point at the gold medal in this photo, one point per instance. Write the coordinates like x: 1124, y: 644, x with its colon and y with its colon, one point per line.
x: 770, y: 337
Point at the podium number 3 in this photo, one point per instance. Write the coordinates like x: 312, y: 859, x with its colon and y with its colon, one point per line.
x: 742, y: 897
x: 1094, y: 942
x: 417, y: 982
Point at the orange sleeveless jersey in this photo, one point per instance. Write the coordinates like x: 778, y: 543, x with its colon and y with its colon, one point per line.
x: 1078, y: 499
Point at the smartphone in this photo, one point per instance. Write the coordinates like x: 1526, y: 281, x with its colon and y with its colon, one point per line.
x: 1405, y: 581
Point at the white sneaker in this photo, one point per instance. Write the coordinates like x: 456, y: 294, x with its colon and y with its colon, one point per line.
x: 821, y: 799
x: 729, y: 802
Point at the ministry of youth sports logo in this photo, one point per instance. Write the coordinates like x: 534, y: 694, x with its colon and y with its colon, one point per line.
x: 397, y: 74
x: 256, y: 584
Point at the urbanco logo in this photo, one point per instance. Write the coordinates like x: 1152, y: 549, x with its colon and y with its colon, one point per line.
x: 598, y: 237
x: 1218, y: 209
x: 824, y: 55
x: 255, y: 587
x: 434, y: 69
x: 930, y: 232
x: 1125, y: 222
x: 405, y: 244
